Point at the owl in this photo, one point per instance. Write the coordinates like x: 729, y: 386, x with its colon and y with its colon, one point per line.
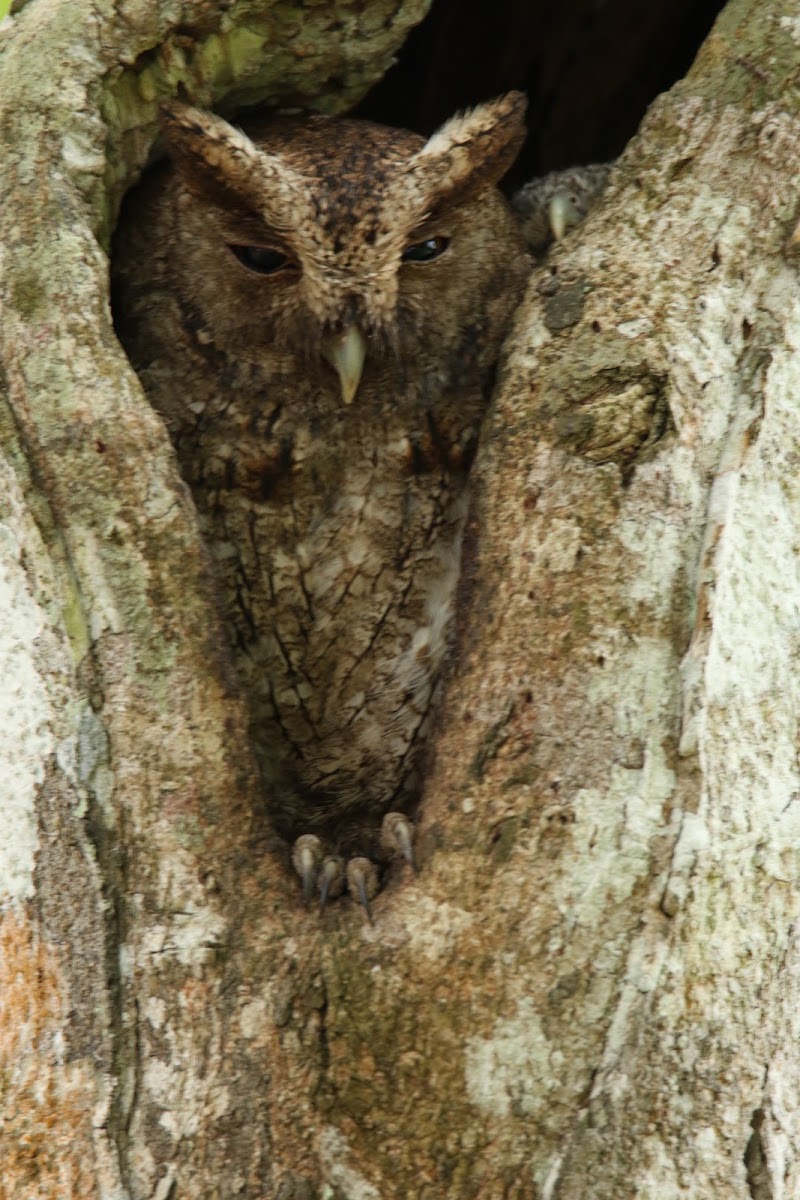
x: 315, y: 307
x: 548, y: 207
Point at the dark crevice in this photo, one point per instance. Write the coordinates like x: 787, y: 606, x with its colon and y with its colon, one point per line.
x: 590, y: 69
x: 759, y: 1181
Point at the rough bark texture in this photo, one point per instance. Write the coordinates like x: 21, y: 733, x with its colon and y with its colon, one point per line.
x: 592, y: 988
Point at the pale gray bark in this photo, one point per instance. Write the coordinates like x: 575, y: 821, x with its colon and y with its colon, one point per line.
x: 592, y: 988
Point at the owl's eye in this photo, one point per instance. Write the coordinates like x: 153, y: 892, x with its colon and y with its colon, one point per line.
x: 263, y: 259
x: 425, y: 251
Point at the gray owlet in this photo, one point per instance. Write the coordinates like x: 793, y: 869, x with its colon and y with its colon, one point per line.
x: 548, y: 207
x: 316, y: 308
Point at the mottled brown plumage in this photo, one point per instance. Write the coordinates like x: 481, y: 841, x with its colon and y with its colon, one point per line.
x: 316, y: 308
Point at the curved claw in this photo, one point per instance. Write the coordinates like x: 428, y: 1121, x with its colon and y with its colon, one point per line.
x: 306, y: 856
x: 331, y: 879
x: 397, y: 834
x: 362, y: 881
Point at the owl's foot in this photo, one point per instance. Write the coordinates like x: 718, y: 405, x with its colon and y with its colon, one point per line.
x: 306, y: 860
x: 328, y: 874
x: 397, y: 836
x: 331, y: 879
x: 362, y: 882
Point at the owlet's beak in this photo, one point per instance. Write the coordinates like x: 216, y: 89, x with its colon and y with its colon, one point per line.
x: 346, y: 353
x: 562, y: 214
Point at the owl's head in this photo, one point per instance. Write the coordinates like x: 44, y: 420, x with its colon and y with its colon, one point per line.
x: 341, y: 239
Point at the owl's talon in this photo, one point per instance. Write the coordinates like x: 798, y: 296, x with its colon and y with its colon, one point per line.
x: 397, y: 835
x: 362, y: 882
x: 306, y: 857
x: 331, y: 879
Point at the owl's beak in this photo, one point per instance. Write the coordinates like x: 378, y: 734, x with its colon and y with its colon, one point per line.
x: 346, y: 353
x: 562, y: 214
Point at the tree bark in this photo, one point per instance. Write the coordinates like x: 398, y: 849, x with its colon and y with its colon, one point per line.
x: 592, y: 988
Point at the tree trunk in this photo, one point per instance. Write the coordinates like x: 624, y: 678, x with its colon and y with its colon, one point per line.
x: 592, y: 988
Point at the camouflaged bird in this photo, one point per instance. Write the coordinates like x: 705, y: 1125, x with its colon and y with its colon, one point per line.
x: 316, y: 308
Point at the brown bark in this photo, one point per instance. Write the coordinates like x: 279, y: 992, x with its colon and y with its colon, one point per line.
x: 591, y: 989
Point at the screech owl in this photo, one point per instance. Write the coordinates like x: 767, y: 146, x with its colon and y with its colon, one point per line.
x: 316, y: 308
x: 551, y: 205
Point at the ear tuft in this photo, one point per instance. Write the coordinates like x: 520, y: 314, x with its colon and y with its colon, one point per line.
x: 215, y: 160
x: 473, y: 150
x: 219, y: 163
